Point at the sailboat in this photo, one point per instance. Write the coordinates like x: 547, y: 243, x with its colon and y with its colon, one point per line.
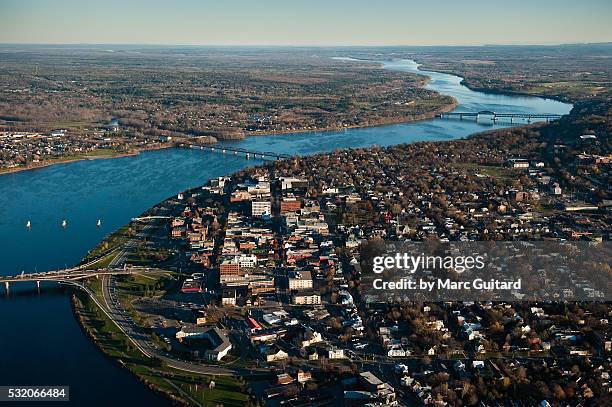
x: 29, y: 225
x: 99, y: 223
x: 64, y: 224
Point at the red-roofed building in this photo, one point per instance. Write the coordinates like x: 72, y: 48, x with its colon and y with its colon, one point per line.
x: 253, y: 325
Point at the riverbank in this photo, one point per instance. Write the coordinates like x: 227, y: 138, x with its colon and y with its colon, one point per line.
x: 179, y: 387
x: 72, y: 159
x: 117, y: 351
x: 388, y: 121
x: 495, y: 90
x: 423, y: 68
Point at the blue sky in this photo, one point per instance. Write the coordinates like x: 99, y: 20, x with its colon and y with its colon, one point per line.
x: 312, y: 22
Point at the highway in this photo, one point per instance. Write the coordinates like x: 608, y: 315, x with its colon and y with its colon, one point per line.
x: 127, y: 248
x: 120, y: 317
x: 142, y: 341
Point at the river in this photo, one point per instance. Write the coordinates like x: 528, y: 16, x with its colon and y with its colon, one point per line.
x: 40, y: 341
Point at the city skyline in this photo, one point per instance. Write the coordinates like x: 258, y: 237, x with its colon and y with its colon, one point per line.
x: 314, y: 23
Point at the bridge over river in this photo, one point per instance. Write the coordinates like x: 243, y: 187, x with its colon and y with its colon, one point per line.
x: 494, y: 116
x: 263, y: 155
x: 70, y: 276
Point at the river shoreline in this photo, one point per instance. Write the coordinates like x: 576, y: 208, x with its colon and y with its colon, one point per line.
x: 77, y: 306
x: 389, y: 121
x: 489, y: 91
x: 494, y: 91
x: 131, y: 153
x: 415, y: 118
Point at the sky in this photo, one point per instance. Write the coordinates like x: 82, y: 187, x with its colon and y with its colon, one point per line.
x: 305, y: 22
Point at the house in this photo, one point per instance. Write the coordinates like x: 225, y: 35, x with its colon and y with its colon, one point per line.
x: 517, y: 163
x: 311, y: 337
x: 228, y: 297
x: 284, y: 379
x: 239, y: 196
x: 335, y: 353
x: 313, y: 355
x: 305, y: 298
x: 303, y: 377
x: 397, y: 353
x: 178, y: 222
x: 178, y: 232
x: 275, y: 354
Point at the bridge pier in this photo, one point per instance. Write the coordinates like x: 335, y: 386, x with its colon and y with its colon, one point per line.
x: 248, y: 156
x: 38, y: 284
x: 6, y: 286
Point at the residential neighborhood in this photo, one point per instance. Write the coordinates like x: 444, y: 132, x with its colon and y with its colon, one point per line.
x: 277, y: 254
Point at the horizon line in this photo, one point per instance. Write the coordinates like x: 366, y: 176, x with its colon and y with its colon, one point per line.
x: 305, y: 45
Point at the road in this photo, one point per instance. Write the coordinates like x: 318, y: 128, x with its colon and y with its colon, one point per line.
x: 142, y: 341
x: 126, y: 249
x: 113, y: 309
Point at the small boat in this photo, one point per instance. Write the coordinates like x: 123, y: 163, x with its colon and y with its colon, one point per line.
x: 29, y: 225
x: 64, y: 224
x: 99, y: 223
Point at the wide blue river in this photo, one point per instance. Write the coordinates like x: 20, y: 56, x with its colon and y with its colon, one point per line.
x: 40, y: 342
